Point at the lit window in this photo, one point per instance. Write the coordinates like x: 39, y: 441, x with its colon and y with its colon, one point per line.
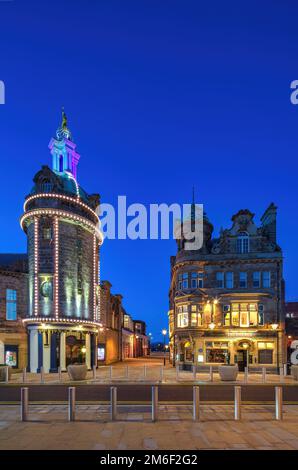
x: 243, y: 280
x: 182, y: 317
x: 244, y: 316
x: 235, y: 314
x: 229, y: 280
x: 11, y: 304
x: 243, y: 243
x: 261, y: 314
x: 266, y: 279
x: 226, y: 315
x: 253, y: 315
x: 194, y: 319
x: 220, y: 280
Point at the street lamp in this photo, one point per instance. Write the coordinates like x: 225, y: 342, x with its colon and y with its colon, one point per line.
x: 164, y: 332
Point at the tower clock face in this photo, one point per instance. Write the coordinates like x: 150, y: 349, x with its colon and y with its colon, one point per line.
x: 46, y: 289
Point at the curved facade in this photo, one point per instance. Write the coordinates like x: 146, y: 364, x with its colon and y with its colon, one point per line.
x: 62, y: 227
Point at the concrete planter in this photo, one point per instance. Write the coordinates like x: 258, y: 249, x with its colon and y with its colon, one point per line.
x: 294, y: 372
x: 228, y: 373
x: 77, y: 371
x: 3, y: 373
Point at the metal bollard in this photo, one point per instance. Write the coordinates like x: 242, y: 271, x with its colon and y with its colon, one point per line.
x: 111, y: 372
x: 278, y: 403
x: 94, y: 372
x: 211, y: 374
x: 60, y: 374
x: 196, y: 403
x: 71, y: 403
x: 161, y: 373
x: 24, y: 375
x: 154, y: 406
x: 237, y: 403
x: 144, y: 371
x: 281, y: 374
x: 245, y: 375
x: 194, y: 372
x: 285, y: 370
x: 177, y: 373
x: 113, y: 404
x: 24, y: 403
x: 263, y: 374
x: 126, y: 372
x: 42, y: 375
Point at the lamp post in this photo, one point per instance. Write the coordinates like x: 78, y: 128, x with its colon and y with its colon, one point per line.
x: 164, y: 332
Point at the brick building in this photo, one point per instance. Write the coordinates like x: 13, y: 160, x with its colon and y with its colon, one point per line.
x: 227, y: 299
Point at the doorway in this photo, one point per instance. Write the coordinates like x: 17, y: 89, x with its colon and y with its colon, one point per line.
x: 242, y: 355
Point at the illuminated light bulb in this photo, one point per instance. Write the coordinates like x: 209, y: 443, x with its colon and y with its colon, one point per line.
x: 212, y: 326
x: 274, y: 326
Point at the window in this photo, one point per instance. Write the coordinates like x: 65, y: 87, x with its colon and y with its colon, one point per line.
x: 229, y: 280
x: 257, y: 279
x: 46, y: 289
x: 266, y: 275
x: 46, y: 187
x: 182, y: 316
x: 11, y: 304
x: 244, y: 315
x: 243, y: 243
x: 226, y: 315
x: 235, y: 314
x: 253, y: 315
x: 47, y: 233
x: 185, y: 281
x: 197, y: 280
x: 180, y: 282
x: 220, y: 280
x: 193, y: 319
x: 265, y: 352
x: 261, y: 314
x: 217, y: 352
x: 243, y: 280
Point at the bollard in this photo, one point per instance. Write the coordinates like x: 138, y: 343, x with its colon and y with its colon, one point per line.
x: 285, y: 370
x: 24, y: 375
x: 278, y: 403
x: 144, y: 371
x: 111, y: 372
x: 126, y: 372
x: 263, y: 374
x: 42, y: 375
x: 245, y: 375
x: 24, y: 403
x: 161, y: 373
x: 281, y: 374
x: 71, y: 403
x: 237, y: 403
x: 94, y: 372
x: 6, y: 374
x: 196, y: 403
x: 113, y: 403
x: 60, y: 374
x: 194, y: 372
x: 154, y: 406
x: 211, y: 374
x: 177, y: 373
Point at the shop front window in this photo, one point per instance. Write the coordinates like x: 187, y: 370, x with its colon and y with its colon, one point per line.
x: 265, y: 352
x: 216, y: 355
x: 11, y: 356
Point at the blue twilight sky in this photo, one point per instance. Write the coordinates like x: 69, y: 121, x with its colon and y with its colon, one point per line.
x: 160, y: 95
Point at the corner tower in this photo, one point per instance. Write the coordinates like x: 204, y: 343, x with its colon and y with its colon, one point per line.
x: 61, y: 223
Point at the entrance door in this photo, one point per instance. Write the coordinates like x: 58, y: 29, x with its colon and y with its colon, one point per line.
x: 242, y: 359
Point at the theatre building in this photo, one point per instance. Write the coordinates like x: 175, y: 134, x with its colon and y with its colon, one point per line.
x: 227, y: 298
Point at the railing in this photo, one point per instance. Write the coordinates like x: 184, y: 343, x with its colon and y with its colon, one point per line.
x: 196, y: 403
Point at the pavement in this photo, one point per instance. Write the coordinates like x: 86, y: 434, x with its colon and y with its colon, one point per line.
x: 48, y: 429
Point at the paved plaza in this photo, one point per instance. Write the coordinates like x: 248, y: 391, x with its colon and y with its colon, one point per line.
x: 48, y: 428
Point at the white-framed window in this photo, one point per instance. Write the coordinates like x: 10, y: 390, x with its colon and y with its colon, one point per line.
x: 266, y: 278
x: 182, y: 316
x: 256, y: 279
x: 243, y: 280
x: 185, y: 280
x: 229, y: 280
x: 243, y: 243
x: 220, y: 280
x: 11, y: 304
x: 196, y: 279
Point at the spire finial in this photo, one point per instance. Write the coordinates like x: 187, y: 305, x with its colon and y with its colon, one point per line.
x: 63, y: 130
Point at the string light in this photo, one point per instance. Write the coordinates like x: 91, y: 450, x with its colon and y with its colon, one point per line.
x: 94, y: 277
x: 62, y: 197
x: 64, y: 214
x: 36, y: 262
x: 60, y: 320
x: 56, y: 275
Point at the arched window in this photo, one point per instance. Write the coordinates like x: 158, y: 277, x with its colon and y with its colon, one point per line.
x: 243, y: 242
x: 46, y: 186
